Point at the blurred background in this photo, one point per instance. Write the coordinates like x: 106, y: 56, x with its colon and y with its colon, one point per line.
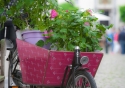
x: 109, y: 8
x: 108, y: 12
x: 111, y: 72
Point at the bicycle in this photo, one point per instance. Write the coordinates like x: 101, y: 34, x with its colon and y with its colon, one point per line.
x: 70, y: 73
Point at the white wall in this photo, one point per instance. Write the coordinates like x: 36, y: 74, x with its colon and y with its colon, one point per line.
x: 61, y: 1
x: 120, y: 2
x: 86, y: 4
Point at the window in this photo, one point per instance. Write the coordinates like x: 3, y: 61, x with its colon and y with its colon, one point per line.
x: 106, y: 23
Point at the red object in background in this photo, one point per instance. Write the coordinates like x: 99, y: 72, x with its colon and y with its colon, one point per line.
x: 44, y: 67
x: 116, y: 37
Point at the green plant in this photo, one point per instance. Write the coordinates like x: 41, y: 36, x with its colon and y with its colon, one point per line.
x: 76, y: 28
x: 122, y: 13
x: 67, y: 6
x: 33, y: 14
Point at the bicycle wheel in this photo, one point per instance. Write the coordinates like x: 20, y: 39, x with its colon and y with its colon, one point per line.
x: 83, y: 79
x: 14, y: 72
x: 13, y: 69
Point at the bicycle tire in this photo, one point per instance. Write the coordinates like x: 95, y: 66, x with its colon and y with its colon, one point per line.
x: 84, y: 74
x: 10, y: 78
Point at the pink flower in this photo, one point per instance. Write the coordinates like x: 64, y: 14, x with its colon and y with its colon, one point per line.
x: 51, y: 31
x: 67, y: 10
x: 48, y: 34
x: 90, y: 11
x: 53, y: 13
x: 87, y: 24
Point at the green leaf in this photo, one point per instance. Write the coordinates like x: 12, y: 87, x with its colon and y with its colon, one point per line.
x: 109, y: 39
x: 54, y: 2
x: 63, y: 30
x: 63, y: 37
x: 3, y: 18
x: 101, y: 27
x: 75, y: 34
x: 93, y: 33
x: 55, y: 36
x: 58, y: 21
x: 40, y: 43
x: 86, y: 29
x: 122, y: 13
x: 99, y: 35
x: 70, y: 46
x: 1, y: 10
x: 84, y: 40
x: 73, y: 24
x: 110, y: 26
x: 98, y: 48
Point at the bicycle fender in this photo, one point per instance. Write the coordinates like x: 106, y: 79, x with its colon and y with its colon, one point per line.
x: 83, y: 68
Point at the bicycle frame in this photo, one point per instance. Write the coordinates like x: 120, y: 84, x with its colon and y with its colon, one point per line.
x: 76, y: 65
x: 11, y: 58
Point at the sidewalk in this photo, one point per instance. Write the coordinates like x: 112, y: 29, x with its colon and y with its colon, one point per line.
x: 111, y: 72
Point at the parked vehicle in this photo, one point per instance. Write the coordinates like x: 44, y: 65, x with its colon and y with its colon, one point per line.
x: 33, y: 66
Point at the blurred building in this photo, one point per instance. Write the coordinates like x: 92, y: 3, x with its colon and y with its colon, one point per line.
x: 109, y: 8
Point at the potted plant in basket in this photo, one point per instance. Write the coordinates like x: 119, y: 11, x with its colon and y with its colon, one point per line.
x: 76, y: 28
x: 30, y: 16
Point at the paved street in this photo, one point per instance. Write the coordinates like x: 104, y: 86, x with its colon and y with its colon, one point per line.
x: 111, y: 72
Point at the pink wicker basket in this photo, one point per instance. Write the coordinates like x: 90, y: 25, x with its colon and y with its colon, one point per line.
x: 44, y: 67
